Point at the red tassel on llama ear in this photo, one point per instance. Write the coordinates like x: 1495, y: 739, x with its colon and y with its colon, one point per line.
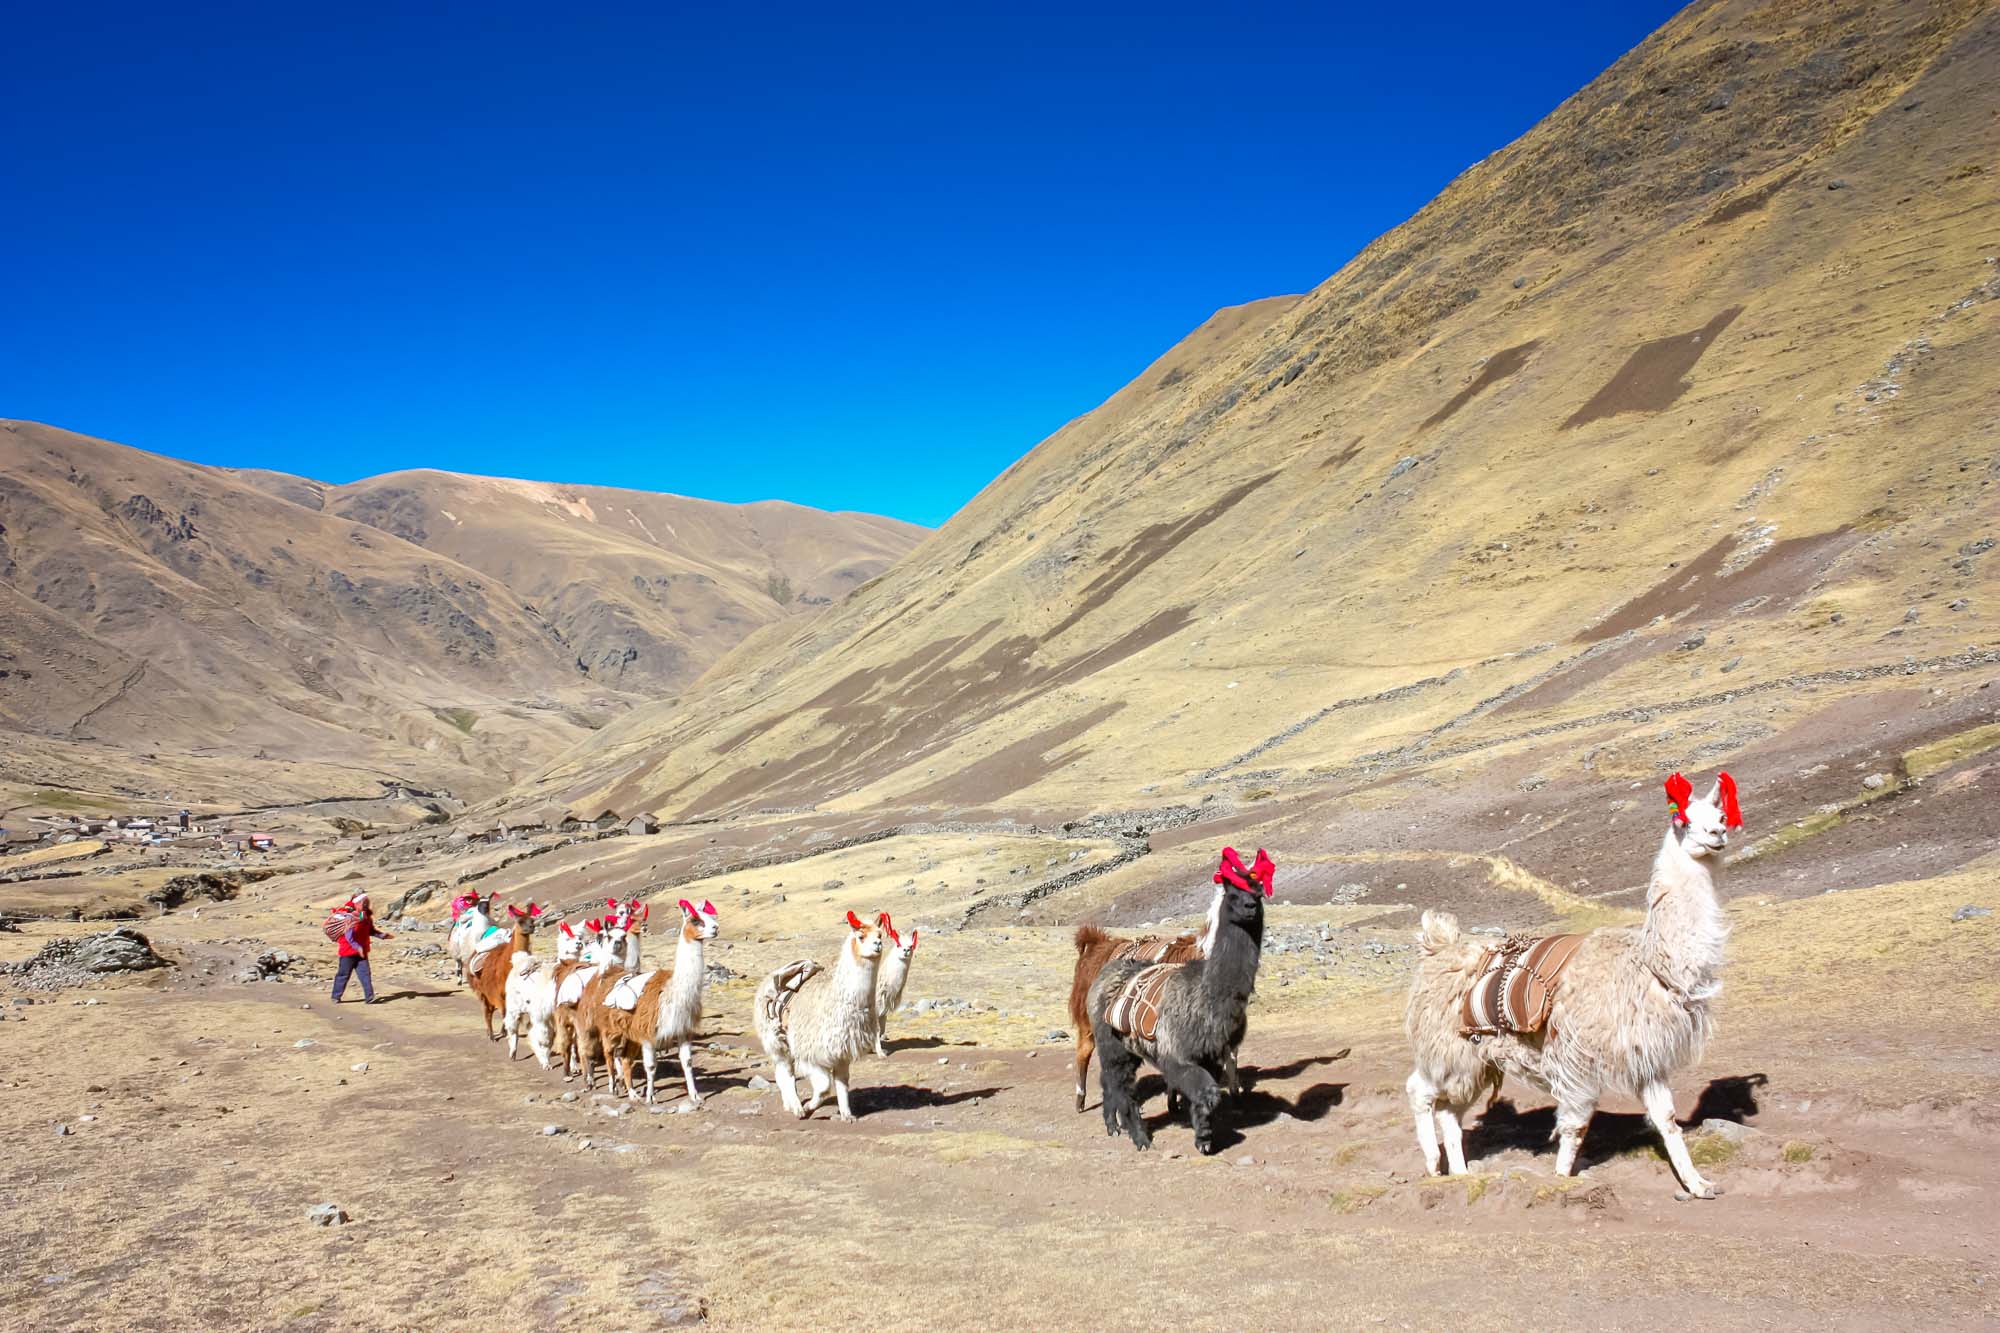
x: 707, y: 907
x: 1231, y: 870
x: 687, y: 907
x: 854, y: 922
x: 1679, y: 789
x: 1265, y: 870
x: 1732, y: 813
x: 564, y: 927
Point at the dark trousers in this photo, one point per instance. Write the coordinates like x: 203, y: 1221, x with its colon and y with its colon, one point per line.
x: 358, y: 966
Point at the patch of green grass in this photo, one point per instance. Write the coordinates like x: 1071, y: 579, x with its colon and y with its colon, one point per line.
x: 1347, y: 1152
x: 55, y: 798
x: 1928, y: 759
x: 1797, y: 1151
x: 1475, y: 1188
x: 1261, y: 794
x: 462, y: 718
x: 1711, y: 1149
x: 1348, y: 1201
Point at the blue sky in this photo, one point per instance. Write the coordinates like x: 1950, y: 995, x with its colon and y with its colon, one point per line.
x: 862, y: 260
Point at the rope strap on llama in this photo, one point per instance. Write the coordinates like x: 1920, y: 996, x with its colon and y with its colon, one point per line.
x: 1257, y: 876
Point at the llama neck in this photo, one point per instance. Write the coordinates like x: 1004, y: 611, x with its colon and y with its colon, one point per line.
x: 1232, y: 959
x: 629, y: 951
x: 522, y: 942
x: 1685, y: 928
x: 895, y: 971
x: 688, y: 970
x: 854, y: 978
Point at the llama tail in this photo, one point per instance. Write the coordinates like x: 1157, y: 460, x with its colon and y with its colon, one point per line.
x: 1093, y: 946
x: 1438, y: 932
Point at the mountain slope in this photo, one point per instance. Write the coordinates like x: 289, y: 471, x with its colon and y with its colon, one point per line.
x: 1677, y: 402
x: 155, y: 605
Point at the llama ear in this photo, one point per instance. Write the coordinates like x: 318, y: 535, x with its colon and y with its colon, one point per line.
x: 890, y: 931
x: 534, y: 910
x: 1265, y: 872
x: 646, y: 912
x: 707, y: 907
x: 1725, y: 799
x: 854, y: 922
x: 913, y: 938
x: 563, y: 926
x: 687, y: 907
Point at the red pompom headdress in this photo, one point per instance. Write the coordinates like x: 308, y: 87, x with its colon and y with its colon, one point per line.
x: 1732, y: 813
x: 1257, y: 876
x: 1679, y: 790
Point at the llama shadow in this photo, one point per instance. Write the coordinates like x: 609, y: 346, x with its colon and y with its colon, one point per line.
x: 1252, y: 1109
x: 1611, y: 1133
x: 921, y: 1044
x: 899, y: 1098
x: 387, y: 996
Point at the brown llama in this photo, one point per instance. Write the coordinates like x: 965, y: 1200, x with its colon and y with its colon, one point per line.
x: 489, y: 970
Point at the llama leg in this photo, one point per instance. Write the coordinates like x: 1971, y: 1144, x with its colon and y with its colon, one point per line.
x: 649, y: 1057
x: 1453, y: 1136
x: 1231, y: 1077
x: 840, y: 1092
x: 788, y: 1086
x: 1572, y: 1118
x: 822, y: 1083
x: 1660, y: 1110
x: 1423, y: 1105
x: 1086, y: 1043
x: 687, y: 1068
x: 1197, y: 1088
x: 1118, y: 1073
x: 881, y: 1030
x: 540, y: 1041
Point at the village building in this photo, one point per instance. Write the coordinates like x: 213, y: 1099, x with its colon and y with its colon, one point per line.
x: 640, y: 825
x: 606, y: 821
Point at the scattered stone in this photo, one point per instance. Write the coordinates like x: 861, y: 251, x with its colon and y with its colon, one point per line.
x: 302, y: 1043
x: 62, y: 1130
x: 569, y: 1096
x: 550, y: 1131
x: 1694, y: 641
x: 1969, y: 912
x: 758, y: 1083
x: 1911, y: 616
x: 1246, y: 1160
x: 1731, y: 665
x: 1727, y: 1129
x: 327, y: 1215
x: 1958, y: 604
x: 1875, y: 782
x: 1403, y: 465
x: 361, y: 1068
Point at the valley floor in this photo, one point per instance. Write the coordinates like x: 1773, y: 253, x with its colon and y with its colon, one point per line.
x: 206, y: 1117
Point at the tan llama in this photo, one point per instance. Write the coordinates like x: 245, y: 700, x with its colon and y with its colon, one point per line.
x: 1628, y: 1010
x: 895, y: 975
x: 814, y: 1023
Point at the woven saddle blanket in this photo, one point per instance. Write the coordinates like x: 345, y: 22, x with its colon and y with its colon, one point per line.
x: 1153, y: 950
x: 624, y: 992
x: 571, y: 989
x: 789, y: 978
x: 1134, y: 1010
x: 1517, y: 984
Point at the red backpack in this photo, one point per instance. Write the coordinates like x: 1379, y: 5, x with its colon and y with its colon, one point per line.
x: 340, y: 921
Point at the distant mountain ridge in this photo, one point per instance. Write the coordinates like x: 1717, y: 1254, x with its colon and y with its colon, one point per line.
x: 448, y: 629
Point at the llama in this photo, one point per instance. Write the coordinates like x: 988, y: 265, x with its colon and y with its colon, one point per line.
x: 1094, y: 949
x: 815, y: 1023
x: 600, y: 950
x: 472, y: 930
x: 1630, y: 1009
x: 894, y: 976
x: 1184, y: 1018
x: 630, y: 918
x: 657, y: 1009
x: 490, y: 969
x: 531, y: 990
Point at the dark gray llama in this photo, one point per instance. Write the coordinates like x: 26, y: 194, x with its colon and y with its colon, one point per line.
x: 1185, y: 1019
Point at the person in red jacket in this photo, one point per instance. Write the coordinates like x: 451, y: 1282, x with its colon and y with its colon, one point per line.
x: 353, y: 948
